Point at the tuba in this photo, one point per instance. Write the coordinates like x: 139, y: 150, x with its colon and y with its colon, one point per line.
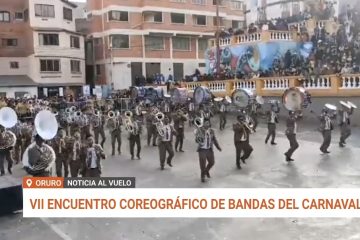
x: 159, y: 123
x: 199, y: 132
x: 8, y: 119
x: 129, y: 125
x: 46, y: 127
x: 111, y: 114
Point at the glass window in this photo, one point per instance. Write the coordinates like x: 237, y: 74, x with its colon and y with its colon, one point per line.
x: 120, y: 41
x: 118, y: 16
x: 67, y: 14
x: 75, y: 66
x: 4, y: 16
x: 177, y: 18
x: 9, y: 42
x: 49, y: 65
x: 154, y: 43
x: 43, y: 10
x: 19, y: 15
x: 200, y: 2
x: 74, y: 42
x: 203, y: 44
x: 49, y: 39
x: 14, y: 65
x: 181, y: 43
x: 199, y: 20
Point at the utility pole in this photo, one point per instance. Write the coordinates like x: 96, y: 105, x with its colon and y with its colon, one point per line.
x: 217, y: 36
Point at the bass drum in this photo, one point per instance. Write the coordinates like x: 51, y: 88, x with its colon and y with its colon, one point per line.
x: 242, y: 97
x: 137, y: 92
x: 296, y: 98
x: 202, y: 95
x: 179, y: 95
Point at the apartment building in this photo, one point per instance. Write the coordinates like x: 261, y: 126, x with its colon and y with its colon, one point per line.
x: 145, y: 37
x: 40, y: 53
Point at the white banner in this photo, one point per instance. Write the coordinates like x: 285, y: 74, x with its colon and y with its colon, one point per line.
x: 86, y: 90
x: 61, y: 92
x: 191, y: 203
x: 45, y: 92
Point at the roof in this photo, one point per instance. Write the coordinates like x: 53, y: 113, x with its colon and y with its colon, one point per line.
x: 56, y: 84
x: 16, y: 81
x: 69, y: 3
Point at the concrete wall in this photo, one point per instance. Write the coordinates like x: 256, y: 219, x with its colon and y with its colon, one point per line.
x: 5, y: 66
x: 10, y: 91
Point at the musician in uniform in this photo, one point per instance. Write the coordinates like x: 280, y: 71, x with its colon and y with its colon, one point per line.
x: 165, y: 143
x: 98, y: 128
x: 253, y: 113
x: 272, y: 119
x: 134, y: 138
x: 35, y: 155
x: 205, y: 113
x: 326, y: 127
x: 222, y: 114
x: 76, y: 155
x: 291, y: 130
x: 205, y: 137
x: 151, y: 129
x: 191, y: 110
x: 179, y: 122
x: 114, y: 126
x: 59, y: 146
x: 241, y: 140
x: 4, y: 153
x: 93, y: 155
x: 166, y: 109
x: 345, y: 129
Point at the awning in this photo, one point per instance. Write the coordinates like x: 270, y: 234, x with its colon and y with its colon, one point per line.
x: 16, y: 81
x: 61, y: 84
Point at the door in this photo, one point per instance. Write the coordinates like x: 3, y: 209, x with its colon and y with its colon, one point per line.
x: 178, y: 71
x: 136, y: 71
x: 152, y: 69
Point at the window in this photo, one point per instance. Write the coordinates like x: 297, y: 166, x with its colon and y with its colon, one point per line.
x: 154, y: 43
x: 118, y: 16
x: 221, y: 2
x: 221, y: 21
x: 202, y: 65
x: 97, y: 41
x: 26, y: 15
x: 49, y: 39
x: 177, y: 18
x: 74, y: 42
x: 181, y: 43
x: 43, y: 10
x: 199, y: 20
x: 4, y: 16
x: 153, y: 17
x: 203, y: 44
x: 235, y: 4
x: 120, y: 41
x: 200, y: 2
x: 179, y: 1
x: 19, y: 16
x: 14, y: 65
x: 67, y: 14
x: 9, y: 42
x: 49, y: 65
x: 237, y: 24
x: 98, y: 69
x: 75, y: 66
x: 20, y: 94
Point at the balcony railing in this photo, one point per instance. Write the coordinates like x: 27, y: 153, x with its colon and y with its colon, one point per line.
x: 322, y: 86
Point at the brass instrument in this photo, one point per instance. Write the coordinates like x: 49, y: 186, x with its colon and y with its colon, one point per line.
x: 199, y: 132
x: 159, y: 117
x: 73, y: 109
x: 8, y: 119
x: 111, y: 114
x: 181, y: 113
x: 9, y: 140
x: 128, y: 123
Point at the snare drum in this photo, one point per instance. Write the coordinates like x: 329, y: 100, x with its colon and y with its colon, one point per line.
x: 137, y: 92
x: 242, y: 97
x: 202, y: 95
x: 179, y: 95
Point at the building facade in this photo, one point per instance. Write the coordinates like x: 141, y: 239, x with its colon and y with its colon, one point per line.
x: 40, y: 53
x: 130, y: 39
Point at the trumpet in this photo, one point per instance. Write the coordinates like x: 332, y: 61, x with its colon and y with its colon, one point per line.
x: 97, y: 113
x: 67, y: 110
x: 30, y: 102
x: 78, y: 114
x: 160, y: 116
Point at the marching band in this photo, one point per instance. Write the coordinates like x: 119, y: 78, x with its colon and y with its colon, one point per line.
x: 64, y: 138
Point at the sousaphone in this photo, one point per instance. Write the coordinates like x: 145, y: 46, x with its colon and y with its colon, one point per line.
x: 8, y: 119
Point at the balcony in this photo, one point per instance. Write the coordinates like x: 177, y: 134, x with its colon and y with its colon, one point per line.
x: 323, y: 86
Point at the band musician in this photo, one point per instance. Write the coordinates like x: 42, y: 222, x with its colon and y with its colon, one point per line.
x: 242, y: 133
x: 165, y: 143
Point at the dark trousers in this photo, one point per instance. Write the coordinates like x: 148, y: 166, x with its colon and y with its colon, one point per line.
x: 163, y: 148
x: 222, y: 120
x: 242, y: 146
x: 327, y: 140
x: 99, y: 131
x: 168, y: 115
x: 293, y: 144
x: 345, y: 132
x: 116, y: 137
x: 84, y: 132
x: 61, y: 161
x: 206, y: 161
x: 75, y: 168
x: 5, y: 155
x: 255, y: 120
x: 93, y: 172
x: 179, y: 139
x: 135, y: 139
x: 151, y: 133
x: 271, y: 132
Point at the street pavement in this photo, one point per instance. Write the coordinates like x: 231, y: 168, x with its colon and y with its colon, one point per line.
x: 266, y: 168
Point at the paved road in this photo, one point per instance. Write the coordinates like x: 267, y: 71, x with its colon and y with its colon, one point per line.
x: 266, y: 168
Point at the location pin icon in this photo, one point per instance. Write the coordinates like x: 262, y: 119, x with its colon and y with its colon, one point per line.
x: 28, y: 182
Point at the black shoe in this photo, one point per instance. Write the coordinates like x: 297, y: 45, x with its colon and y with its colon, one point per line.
x: 2, y: 174
x: 288, y: 159
x: 176, y: 150
x: 326, y: 151
x: 138, y: 157
x: 243, y: 160
x: 113, y: 154
x: 203, y: 180
x: 207, y: 174
x: 9, y: 170
x: 154, y: 145
x: 266, y: 141
x: 169, y: 163
x: 273, y: 143
x: 162, y: 168
x: 341, y: 145
x: 132, y: 157
x: 181, y: 150
x: 238, y: 165
x: 119, y: 152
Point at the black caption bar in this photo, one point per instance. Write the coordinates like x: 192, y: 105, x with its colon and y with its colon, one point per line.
x: 103, y: 182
